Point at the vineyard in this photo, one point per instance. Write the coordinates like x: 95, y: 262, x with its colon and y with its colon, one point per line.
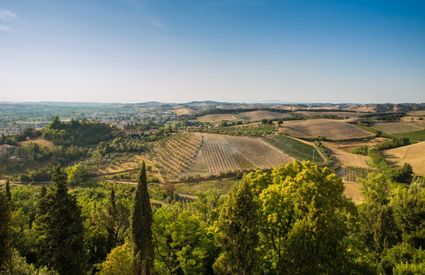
x: 222, y: 154
x: 174, y: 156
x: 295, y: 148
x: 204, y: 155
x: 355, y: 174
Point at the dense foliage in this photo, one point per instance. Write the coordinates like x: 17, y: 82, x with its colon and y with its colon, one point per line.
x: 76, y: 132
x: 292, y: 220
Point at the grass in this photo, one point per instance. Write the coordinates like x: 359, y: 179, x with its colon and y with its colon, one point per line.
x: 415, y: 136
x: 295, y: 148
x: 193, y: 188
x: 368, y: 128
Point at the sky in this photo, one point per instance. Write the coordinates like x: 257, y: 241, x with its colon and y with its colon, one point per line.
x: 365, y: 51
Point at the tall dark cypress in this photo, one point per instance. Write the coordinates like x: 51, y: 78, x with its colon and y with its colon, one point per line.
x: 112, y: 219
x: 62, y: 225
x: 8, y: 193
x: 142, y: 227
x: 5, y: 252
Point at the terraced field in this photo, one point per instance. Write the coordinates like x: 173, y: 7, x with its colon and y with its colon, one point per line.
x: 204, y: 154
x: 329, y: 128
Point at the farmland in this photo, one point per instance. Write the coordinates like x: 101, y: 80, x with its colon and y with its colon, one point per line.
x: 174, y: 155
x: 330, y: 129
x: 295, y: 148
x: 400, y: 127
x: 194, y: 188
x: 415, y: 136
x: 345, y: 158
x: 201, y: 154
x: 412, y: 154
x: 322, y: 114
x: 247, y: 116
x: 183, y: 111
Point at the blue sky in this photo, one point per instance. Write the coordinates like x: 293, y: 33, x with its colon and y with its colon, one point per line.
x: 228, y: 50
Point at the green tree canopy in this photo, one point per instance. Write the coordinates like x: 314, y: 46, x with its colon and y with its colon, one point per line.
x: 61, y: 226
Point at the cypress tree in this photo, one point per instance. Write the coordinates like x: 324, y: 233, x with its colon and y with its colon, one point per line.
x: 112, y: 218
x: 62, y: 226
x: 5, y: 251
x: 142, y: 227
x: 8, y: 193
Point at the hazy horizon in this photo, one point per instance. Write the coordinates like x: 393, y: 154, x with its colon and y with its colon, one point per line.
x: 223, y: 50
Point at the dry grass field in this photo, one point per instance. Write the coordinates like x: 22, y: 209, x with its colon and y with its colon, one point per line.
x: 212, y: 154
x: 353, y: 190
x: 363, y: 109
x: 417, y: 113
x: 413, y: 154
x: 260, y: 115
x: 329, y: 128
x: 121, y: 164
x: 342, y: 115
x: 183, y: 111
x: 217, y: 117
x: 247, y: 116
x: 348, y: 146
x: 43, y: 143
x: 400, y: 127
x: 345, y: 158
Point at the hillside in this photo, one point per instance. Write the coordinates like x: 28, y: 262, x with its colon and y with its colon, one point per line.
x: 246, y: 116
x: 412, y: 154
x: 201, y: 154
x: 328, y: 128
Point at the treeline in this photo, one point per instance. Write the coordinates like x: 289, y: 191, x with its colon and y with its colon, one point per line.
x: 240, y: 110
x: 393, y: 142
x: 13, y: 140
x: 77, y: 133
x: 293, y: 220
x: 384, y: 117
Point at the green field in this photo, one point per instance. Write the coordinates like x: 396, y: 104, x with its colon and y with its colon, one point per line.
x: 194, y: 188
x: 367, y: 128
x: 295, y: 148
x: 415, y: 136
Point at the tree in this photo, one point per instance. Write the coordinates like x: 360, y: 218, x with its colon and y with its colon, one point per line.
x: 118, y: 261
x: 8, y: 193
x: 378, y: 225
x: 402, y: 253
x: 405, y: 174
x: 238, y: 232
x: 5, y: 249
x: 76, y: 174
x: 303, y: 221
x: 182, y: 243
x: 142, y: 227
x: 61, y: 225
x: 114, y: 220
x: 409, y: 213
